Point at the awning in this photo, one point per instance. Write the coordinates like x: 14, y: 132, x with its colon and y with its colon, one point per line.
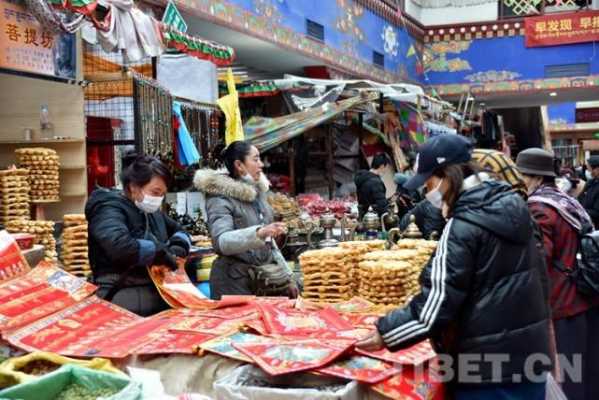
x: 251, y: 89
x: 267, y: 133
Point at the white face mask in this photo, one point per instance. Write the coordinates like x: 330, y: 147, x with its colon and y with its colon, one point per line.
x: 435, y: 196
x: 150, y: 204
x: 588, y: 175
x: 563, y: 184
x: 248, y: 179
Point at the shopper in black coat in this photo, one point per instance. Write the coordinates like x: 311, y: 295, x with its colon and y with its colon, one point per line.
x: 484, y: 292
x: 370, y: 187
x: 428, y: 218
x: 128, y: 232
x: 590, y: 196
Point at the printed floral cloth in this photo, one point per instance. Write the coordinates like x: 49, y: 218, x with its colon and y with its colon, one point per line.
x: 277, y: 357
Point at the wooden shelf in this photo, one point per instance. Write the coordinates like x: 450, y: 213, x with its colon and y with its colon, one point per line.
x: 72, y: 167
x: 42, y: 141
x: 73, y: 194
x: 38, y: 202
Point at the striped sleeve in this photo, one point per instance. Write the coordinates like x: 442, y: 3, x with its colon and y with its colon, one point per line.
x: 443, y: 291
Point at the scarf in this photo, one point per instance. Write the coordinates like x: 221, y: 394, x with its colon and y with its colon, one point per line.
x: 568, y: 207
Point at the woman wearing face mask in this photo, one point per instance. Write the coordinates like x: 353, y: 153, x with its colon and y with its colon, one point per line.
x: 242, y: 229
x: 128, y: 232
x: 484, y: 291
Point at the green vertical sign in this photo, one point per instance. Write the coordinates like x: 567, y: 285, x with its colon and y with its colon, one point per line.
x: 173, y: 17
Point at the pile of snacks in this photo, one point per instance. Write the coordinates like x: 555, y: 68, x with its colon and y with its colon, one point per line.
x: 14, y: 195
x: 327, y: 275
x: 43, y: 165
x: 358, y: 249
x: 43, y: 232
x: 391, y: 277
x: 285, y: 208
x: 74, y: 255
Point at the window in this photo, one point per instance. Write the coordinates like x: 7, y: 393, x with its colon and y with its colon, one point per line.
x: 315, y: 30
x: 565, y: 70
x: 378, y: 59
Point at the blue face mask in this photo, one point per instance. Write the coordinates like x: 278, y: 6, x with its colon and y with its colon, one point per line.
x: 435, y: 197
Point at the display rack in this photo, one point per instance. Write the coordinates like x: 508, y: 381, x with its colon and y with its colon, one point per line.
x: 20, y: 101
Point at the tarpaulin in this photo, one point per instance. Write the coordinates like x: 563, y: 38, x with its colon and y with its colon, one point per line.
x: 266, y: 133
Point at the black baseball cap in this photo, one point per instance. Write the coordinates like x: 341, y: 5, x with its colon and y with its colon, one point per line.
x: 593, y: 161
x: 438, y: 151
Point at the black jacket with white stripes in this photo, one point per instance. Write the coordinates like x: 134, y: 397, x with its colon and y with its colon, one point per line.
x: 485, y: 290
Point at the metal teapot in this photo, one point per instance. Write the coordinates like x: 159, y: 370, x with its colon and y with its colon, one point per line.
x: 297, y: 243
x: 371, y: 224
x: 328, y: 222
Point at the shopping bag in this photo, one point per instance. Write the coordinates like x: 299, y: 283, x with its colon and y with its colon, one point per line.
x: 13, y: 370
x: 51, y: 385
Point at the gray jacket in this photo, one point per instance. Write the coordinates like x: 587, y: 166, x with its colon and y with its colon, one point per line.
x: 235, y: 210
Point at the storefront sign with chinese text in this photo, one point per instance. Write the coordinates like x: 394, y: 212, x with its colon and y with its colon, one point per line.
x: 556, y: 29
x: 25, y: 46
x: 587, y: 114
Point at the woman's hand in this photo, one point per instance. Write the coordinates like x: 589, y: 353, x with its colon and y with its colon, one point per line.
x: 373, y: 342
x: 293, y: 291
x: 272, y: 230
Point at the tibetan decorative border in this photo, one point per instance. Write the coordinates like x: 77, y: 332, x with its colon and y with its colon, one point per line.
x: 523, y: 86
x: 478, y: 31
x: 229, y: 15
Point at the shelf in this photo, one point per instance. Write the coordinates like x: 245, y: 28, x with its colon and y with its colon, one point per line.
x: 39, y: 202
x: 73, y: 194
x: 72, y: 167
x: 42, y: 141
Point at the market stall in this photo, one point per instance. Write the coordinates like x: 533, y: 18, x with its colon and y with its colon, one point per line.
x: 254, y: 346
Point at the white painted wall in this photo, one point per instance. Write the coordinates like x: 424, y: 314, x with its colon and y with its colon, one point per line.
x: 453, y: 15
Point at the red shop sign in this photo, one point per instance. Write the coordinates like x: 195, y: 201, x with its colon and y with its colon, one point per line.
x: 556, y: 29
x: 587, y: 114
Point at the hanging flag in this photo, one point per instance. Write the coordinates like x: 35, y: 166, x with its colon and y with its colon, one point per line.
x: 230, y: 106
x: 411, y: 51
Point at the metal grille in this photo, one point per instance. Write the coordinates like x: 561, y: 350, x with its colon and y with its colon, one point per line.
x: 109, y: 110
x: 153, y: 118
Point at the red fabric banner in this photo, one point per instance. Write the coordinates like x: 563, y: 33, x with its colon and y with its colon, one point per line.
x: 74, y: 330
x: 12, y: 262
x: 415, y: 355
x: 297, y: 323
x: 414, y: 384
x: 42, y: 291
x: 556, y: 29
x: 360, y: 368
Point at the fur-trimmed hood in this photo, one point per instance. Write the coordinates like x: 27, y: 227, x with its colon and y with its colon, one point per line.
x: 217, y: 183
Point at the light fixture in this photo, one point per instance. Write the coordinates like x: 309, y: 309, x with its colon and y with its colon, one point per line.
x: 553, y: 94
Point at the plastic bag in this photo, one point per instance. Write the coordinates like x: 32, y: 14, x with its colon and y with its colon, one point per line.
x: 10, y: 373
x: 49, y: 386
x: 552, y: 390
x: 245, y: 383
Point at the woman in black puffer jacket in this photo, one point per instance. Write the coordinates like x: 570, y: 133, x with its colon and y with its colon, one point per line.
x: 484, y: 292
